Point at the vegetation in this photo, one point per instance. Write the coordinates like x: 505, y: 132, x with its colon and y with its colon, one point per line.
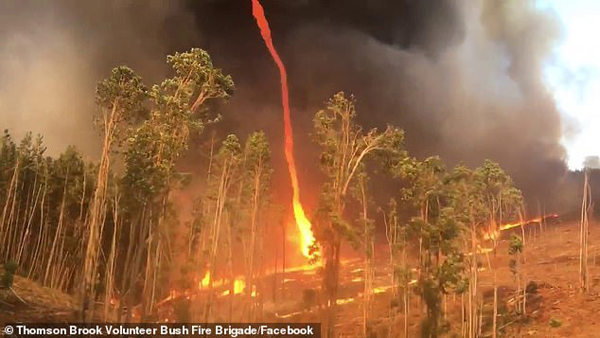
x: 119, y: 229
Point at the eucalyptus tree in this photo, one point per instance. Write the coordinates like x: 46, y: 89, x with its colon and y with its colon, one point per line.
x: 227, y: 163
x: 257, y: 176
x: 515, y: 250
x: 177, y: 111
x: 38, y: 222
x: 502, y: 201
x: 121, y: 98
x: 361, y: 192
x: 436, y: 226
x: 68, y: 175
x: 469, y: 208
x: 344, y: 149
x: 424, y: 181
x: 398, y: 236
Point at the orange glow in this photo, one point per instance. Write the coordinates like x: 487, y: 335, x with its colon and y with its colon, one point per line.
x: 304, y: 226
x: 508, y: 226
x: 306, y: 235
x: 205, y: 281
x: 238, y: 286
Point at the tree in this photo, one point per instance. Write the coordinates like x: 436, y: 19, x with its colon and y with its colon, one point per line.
x: 177, y: 112
x: 345, y: 148
x: 438, y: 228
x: 367, y: 225
x: 586, y: 210
x: 121, y: 97
x: 469, y: 209
x: 68, y: 174
x: 502, y: 201
x: 515, y: 250
x: 257, y: 171
x: 227, y: 163
x: 401, y: 276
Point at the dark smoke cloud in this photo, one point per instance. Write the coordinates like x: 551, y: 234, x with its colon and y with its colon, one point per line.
x: 463, y: 78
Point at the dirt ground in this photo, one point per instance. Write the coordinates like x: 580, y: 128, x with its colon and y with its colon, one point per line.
x: 557, y: 309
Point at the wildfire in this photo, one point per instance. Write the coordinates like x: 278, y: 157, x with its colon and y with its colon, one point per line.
x: 238, y: 286
x: 518, y: 224
x: 205, y: 281
x: 304, y: 226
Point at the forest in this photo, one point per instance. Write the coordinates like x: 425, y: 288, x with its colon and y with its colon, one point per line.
x: 110, y: 233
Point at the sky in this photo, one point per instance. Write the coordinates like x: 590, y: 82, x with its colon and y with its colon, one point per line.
x: 573, y: 74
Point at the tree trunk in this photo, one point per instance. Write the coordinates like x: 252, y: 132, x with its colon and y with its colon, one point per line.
x: 97, y: 211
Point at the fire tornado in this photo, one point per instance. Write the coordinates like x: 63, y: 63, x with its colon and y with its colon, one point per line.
x: 304, y: 226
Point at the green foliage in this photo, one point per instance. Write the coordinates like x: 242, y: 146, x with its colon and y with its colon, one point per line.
x: 345, y: 149
x: 122, y: 96
x: 45, y: 200
x: 502, y: 199
x: 437, y: 209
x: 123, y: 90
x: 157, y: 144
x: 448, y: 208
x: 196, y: 67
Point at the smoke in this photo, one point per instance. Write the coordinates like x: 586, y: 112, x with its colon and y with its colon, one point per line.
x: 464, y: 78
x: 52, y: 54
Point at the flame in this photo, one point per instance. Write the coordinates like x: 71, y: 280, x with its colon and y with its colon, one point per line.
x: 508, y: 226
x: 304, y: 226
x: 238, y: 286
x: 205, y: 281
x: 345, y: 301
x: 306, y: 235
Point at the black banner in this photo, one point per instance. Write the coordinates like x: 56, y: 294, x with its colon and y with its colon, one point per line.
x: 233, y: 330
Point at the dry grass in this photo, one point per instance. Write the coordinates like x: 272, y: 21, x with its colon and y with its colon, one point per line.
x: 29, y: 302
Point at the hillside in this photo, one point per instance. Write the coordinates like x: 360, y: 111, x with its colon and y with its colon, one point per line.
x: 28, y: 302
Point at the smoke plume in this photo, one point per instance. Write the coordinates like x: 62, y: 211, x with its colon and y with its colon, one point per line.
x: 464, y: 78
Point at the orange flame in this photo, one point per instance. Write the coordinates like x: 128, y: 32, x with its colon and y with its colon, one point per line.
x: 518, y: 224
x: 304, y: 226
x: 239, y: 287
x: 205, y: 281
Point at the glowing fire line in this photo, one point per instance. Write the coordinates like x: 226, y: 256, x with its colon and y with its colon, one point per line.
x: 508, y: 226
x: 304, y: 226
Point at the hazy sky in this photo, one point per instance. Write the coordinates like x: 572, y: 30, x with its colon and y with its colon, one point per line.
x: 574, y: 76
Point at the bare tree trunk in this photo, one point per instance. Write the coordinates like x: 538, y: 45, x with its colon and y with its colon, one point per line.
x: 230, y: 266
x: 97, y: 210
x: 473, y: 285
x: 495, y: 319
x: 368, y: 287
x: 9, y: 208
x: 253, y: 231
x: 4, y: 224
x: 584, y: 234
x: 58, y: 232
x: 110, y: 264
x: 224, y: 184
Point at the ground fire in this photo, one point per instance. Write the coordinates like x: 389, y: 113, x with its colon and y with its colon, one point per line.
x: 387, y: 169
